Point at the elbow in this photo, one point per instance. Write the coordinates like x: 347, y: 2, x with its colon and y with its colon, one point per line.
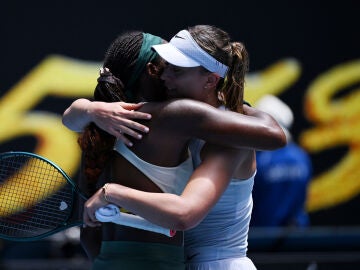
x: 273, y: 138
x: 278, y: 140
x: 67, y: 117
x: 69, y: 120
x: 75, y: 116
x: 282, y: 139
x: 184, y: 226
x: 185, y: 220
x: 65, y: 120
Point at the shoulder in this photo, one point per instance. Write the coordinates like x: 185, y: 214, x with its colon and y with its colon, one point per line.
x: 179, y: 108
x: 178, y: 117
x: 187, y: 105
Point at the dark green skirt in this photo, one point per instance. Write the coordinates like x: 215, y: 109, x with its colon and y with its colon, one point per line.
x: 125, y: 255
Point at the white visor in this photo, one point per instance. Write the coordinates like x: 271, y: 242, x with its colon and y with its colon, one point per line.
x: 183, y: 51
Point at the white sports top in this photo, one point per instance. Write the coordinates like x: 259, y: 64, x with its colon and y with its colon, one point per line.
x: 223, y: 233
x: 168, y: 179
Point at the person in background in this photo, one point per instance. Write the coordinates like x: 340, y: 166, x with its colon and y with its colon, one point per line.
x: 283, y: 175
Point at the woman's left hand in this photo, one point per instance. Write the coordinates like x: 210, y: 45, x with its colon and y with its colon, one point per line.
x: 119, y: 119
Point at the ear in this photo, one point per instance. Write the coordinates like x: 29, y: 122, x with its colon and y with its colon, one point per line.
x: 152, y: 70
x: 212, y: 80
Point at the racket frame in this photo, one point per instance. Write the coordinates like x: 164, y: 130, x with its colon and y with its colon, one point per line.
x: 74, y: 188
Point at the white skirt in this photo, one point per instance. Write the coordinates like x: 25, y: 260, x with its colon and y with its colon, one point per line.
x: 243, y: 263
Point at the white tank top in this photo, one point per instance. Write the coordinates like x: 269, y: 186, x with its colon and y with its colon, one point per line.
x: 223, y: 233
x: 168, y: 179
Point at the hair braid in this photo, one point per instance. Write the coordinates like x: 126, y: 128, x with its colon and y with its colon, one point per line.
x: 96, y: 144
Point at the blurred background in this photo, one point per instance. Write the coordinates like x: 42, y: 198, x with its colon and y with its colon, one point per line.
x: 306, y: 53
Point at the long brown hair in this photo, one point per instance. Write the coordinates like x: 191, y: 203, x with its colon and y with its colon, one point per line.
x: 218, y: 44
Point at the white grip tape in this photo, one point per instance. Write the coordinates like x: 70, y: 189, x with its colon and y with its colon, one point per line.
x: 112, y: 213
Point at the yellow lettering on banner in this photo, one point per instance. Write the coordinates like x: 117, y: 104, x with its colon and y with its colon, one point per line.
x: 54, y: 76
x: 273, y: 80
x: 337, y: 123
x: 336, y: 120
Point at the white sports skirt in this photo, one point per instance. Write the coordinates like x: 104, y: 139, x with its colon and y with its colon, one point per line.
x: 243, y: 263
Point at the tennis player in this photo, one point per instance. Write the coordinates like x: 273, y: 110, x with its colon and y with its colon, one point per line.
x: 209, y: 180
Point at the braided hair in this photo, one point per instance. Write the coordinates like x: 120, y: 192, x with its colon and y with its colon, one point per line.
x: 96, y: 144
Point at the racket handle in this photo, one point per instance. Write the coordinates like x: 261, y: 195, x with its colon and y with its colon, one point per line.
x: 111, y: 213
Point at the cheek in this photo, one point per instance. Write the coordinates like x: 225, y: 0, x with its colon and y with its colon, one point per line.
x: 190, y: 91
x: 186, y: 87
x: 192, y: 83
x: 189, y: 85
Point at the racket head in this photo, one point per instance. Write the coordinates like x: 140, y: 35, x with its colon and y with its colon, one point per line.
x: 36, y: 197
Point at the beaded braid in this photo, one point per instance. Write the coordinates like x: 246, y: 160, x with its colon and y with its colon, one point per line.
x: 96, y: 144
x: 217, y: 43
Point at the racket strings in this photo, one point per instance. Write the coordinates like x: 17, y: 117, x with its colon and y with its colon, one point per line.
x: 34, y: 197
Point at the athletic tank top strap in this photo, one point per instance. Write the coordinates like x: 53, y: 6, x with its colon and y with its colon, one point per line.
x: 168, y: 179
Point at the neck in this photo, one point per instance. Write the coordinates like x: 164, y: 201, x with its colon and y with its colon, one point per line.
x: 213, y: 100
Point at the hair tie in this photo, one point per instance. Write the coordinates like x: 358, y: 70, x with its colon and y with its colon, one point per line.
x: 108, y: 77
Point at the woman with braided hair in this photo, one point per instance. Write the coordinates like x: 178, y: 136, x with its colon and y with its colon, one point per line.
x: 174, y: 122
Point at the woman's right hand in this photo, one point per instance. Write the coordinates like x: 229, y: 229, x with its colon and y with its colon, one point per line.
x: 95, y: 202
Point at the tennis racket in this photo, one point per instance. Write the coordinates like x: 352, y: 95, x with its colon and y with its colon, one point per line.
x: 37, y: 199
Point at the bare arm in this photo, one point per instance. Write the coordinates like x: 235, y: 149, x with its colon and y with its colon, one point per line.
x: 183, y: 212
x: 115, y: 118
x: 257, y: 130
x: 254, y: 129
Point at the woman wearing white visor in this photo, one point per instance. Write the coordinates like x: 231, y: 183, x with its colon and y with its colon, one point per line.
x: 220, y: 240
x: 205, y: 65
